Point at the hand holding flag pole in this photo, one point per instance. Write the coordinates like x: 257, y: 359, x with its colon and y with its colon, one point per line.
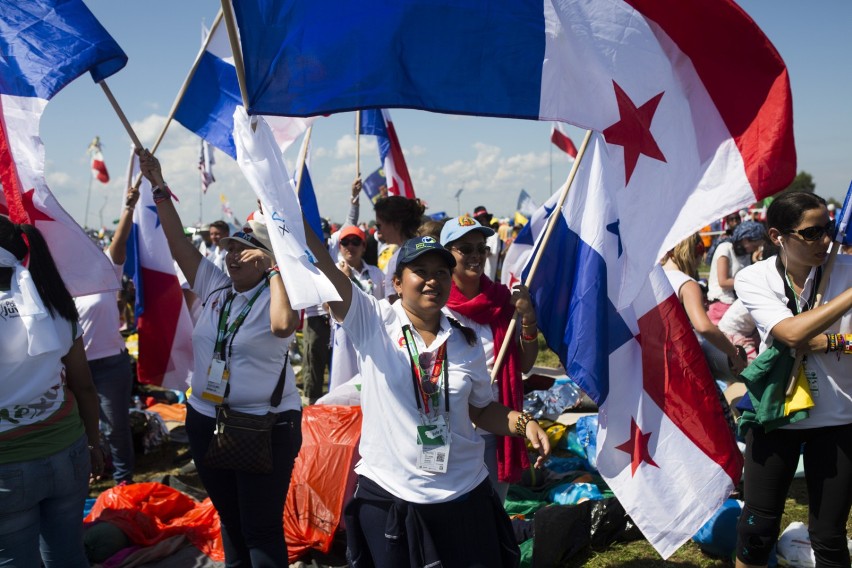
x: 510, y: 332
x: 839, y: 239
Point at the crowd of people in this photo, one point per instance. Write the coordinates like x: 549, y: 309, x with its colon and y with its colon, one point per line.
x: 419, y: 326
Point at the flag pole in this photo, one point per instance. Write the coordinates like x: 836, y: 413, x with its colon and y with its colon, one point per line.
x: 182, y: 91
x: 823, y: 283
x: 357, y: 143
x: 236, y: 50
x: 88, y: 198
x: 551, y: 223
x: 303, y: 155
x: 121, y: 115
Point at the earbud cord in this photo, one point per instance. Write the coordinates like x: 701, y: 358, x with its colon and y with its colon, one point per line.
x: 799, y: 299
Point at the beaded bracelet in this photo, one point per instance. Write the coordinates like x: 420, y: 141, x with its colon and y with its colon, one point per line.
x: 521, y: 423
x: 272, y: 272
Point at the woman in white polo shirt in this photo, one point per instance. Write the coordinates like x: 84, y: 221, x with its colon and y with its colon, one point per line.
x: 240, y: 343
x: 780, y: 294
x: 423, y: 493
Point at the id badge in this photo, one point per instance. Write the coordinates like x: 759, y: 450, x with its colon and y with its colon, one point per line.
x: 433, y: 459
x: 217, y: 380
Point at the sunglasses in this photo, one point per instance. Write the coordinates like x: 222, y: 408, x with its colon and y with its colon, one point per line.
x: 469, y: 249
x: 355, y: 241
x: 816, y: 232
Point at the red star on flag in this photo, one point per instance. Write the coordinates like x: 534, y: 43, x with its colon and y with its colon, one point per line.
x: 637, y: 447
x: 33, y: 212
x: 633, y: 130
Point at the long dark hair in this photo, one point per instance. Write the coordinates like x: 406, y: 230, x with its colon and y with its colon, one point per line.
x: 51, y: 288
x: 787, y: 210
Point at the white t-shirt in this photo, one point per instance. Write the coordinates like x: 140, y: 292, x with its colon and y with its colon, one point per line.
x: 257, y: 355
x: 761, y: 288
x: 737, y: 320
x: 100, y: 321
x: 677, y: 279
x: 737, y: 263
x: 31, y: 387
x: 389, y: 447
x: 486, y: 337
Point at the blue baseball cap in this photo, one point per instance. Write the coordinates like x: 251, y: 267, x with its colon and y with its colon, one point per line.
x: 413, y: 248
x: 458, y: 227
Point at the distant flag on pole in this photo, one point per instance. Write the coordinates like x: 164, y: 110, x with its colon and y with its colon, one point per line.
x: 843, y: 219
x: 227, y: 212
x: 162, y: 318
x: 662, y: 431
x: 207, y: 106
x: 44, y: 45
x: 378, y: 123
x: 696, y: 126
x: 375, y: 185
x: 99, y: 169
x: 526, y: 204
x: 559, y: 137
x: 205, y: 165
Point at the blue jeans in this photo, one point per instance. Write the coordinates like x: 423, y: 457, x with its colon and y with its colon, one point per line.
x: 41, y: 509
x: 114, y: 383
x: 250, y: 505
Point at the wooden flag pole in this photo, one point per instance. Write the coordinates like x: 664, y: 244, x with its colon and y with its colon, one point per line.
x: 829, y: 267
x: 236, y: 50
x: 357, y: 144
x: 551, y: 223
x: 303, y: 155
x: 121, y: 116
x: 182, y: 92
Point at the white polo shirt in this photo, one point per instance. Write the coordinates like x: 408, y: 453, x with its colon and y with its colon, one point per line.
x: 761, y: 289
x: 735, y: 263
x: 99, y: 319
x: 389, y: 447
x: 257, y: 356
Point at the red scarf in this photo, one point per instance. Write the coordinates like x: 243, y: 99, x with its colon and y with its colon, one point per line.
x: 493, y: 306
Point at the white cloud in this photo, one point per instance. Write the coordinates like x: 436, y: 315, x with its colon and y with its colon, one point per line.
x: 346, y: 146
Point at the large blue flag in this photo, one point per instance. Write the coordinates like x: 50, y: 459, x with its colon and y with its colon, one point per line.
x: 698, y: 126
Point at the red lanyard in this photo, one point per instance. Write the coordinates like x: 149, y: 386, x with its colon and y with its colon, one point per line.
x: 426, y: 387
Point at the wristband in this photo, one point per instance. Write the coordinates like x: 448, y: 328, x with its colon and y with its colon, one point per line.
x: 521, y: 423
x: 130, y: 207
x: 529, y: 338
x: 272, y: 272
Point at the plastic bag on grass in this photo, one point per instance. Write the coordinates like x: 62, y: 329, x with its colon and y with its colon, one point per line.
x: 718, y: 536
x: 610, y: 523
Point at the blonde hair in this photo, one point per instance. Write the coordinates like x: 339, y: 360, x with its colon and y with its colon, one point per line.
x: 683, y: 255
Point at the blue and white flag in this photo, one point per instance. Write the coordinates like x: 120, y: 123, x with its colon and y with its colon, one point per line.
x: 520, y: 251
x: 843, y: 219
x: 664, y: 446
x: 263, y: 166
x: 44, y: 45
x: 207, y: 106
x: 307, y: 196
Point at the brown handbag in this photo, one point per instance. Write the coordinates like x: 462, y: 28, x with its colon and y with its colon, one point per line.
x: 243, y: 441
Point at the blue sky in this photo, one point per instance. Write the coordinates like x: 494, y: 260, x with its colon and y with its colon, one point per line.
x: 492, y: 159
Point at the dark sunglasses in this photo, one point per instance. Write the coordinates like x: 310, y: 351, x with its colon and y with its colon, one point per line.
x: 355, y: 241
x: 815, y: 233
x: 469, y: 249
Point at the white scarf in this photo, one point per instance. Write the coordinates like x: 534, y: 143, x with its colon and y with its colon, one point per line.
x: 41, y: 333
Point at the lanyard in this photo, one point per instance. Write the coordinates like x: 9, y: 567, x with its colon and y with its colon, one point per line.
x: 417, y: 373
x: 223, y: 331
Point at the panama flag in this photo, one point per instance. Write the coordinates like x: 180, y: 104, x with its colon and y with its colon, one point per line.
x: 519, y: 252
x: 207, y: 106
x: 664, y: 446
x: 696, y: 125
x: 44, y: 45
x: 378, y: 123
x: 99, y: 169
x: 307, y: 196
x: 263, y: 166
x: 559, y: 137
x: 162, y: 318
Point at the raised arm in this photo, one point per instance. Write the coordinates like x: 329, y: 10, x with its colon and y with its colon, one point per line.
x: 327, y: 266
x: 354, y: 203
x: 186, y: 255
x: 118, y: 246
x: 805, y: 331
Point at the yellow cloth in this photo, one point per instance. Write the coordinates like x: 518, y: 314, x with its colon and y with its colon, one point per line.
x: 385, y: 257
x: 800, y: 398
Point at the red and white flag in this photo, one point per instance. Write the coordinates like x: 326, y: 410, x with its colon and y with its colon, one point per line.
x: 162, y: 318
x: 559, y: 137
x: 99, y: 169
x: 45, y: 46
